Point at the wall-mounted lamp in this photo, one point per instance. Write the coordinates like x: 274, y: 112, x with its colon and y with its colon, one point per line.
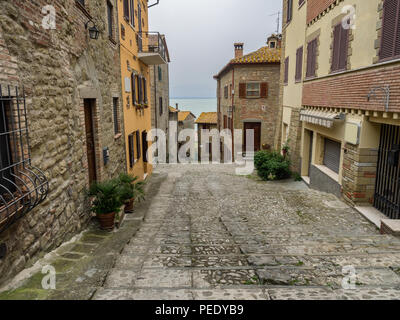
x: 93, y: 31
x: 386, y: 90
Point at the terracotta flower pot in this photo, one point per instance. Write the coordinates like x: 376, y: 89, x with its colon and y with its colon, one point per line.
x: 106, y: 221
x: 129, y: 206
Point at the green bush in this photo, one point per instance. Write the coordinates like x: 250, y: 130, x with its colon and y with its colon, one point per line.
x: 106, y: 197
x: 130, y: 188
x: 271, y: 165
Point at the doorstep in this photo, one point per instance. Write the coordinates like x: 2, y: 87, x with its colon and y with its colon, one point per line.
x: 390, y: 226
x: 372, y: 215
x: 306, y: 179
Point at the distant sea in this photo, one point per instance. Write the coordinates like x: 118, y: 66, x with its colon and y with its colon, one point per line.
x: 195, y: 105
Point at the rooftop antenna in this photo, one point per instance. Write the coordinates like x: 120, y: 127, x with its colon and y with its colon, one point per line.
x: 278, y: 20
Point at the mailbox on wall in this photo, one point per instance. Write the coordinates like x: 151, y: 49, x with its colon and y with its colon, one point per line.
x: 394, y: 155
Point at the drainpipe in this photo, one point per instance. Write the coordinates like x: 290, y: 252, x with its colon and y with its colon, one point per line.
x: 155, y: 103
x: 233, y: 114
x: 154, y: 4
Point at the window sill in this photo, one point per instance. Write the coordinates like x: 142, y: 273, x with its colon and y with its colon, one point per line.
x: 117, y: 136
x: 112, y: 40
x: 302, y: 5
x: 330, y: 173
x: 309, y: 78
x: 297, y: 81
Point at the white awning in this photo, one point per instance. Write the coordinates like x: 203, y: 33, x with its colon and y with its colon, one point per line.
x: 320, y: 118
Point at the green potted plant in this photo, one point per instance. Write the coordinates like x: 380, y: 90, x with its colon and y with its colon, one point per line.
x: 106, y: 202
x: 130, y: 190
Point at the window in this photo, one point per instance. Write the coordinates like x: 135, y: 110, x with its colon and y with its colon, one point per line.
x: 160, y: 103
x: 159, y: 73
x: 286, y: 75
x: 138, y: 144
x: 226, y: 92
x: 311, y: 58
x: 301, y: 2
x: 332, y: 154
x: 139, y: 87
x: 22, y: 186
x: 110, y: 19
x: 131, y: 150
x: 132, y: 20
x: 126, y: 10
x: 299, y: 64
x: 289, y: 10
x: 272, y: 44
x: 117, y: 126
x: 253, y: 90
x: 225, y: 122
x: 340, y: 48
x: 230, y: 90
x: 390, y: 43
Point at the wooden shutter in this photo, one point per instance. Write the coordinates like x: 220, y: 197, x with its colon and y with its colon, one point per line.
x: 286, y: 79
x: 144, y: 90
x: 332, y: 155
x: 138, y: 144
x: 242, y: 90
x: 390, y: 29
x: 140, y: 91
x: 299, y: 63
x: 131, y: 151
x: 115, y: 114
x: 132, y: 13
x: 336, y: 47
x: 133, y: 84
x: 264, y: 90
x: 225, y: 122
x: 344, y: 43
x: 311, y: 58
x: 145, y: 146
x: 126, y: 9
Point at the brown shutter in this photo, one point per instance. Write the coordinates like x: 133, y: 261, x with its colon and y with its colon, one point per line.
x: 138, y: 144
x: 225, y: 122
x: 336, y: 47
x: 264, y: 90
x: 397, y: 39
x: 133, y: 84
x: 289, y: 10
x: 131, y: 151
x: 126, y: 9
x: 286, y: 79
x: 389, y: 32
x: 344, y: 42
x: 242, y: 90
x: 299, y: 63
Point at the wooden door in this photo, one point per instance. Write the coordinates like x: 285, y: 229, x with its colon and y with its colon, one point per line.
x: 90, y: 139
x: 256, y: 126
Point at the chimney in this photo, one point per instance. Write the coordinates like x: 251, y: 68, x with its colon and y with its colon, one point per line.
x: 239, y: 50
x: 177, y: 106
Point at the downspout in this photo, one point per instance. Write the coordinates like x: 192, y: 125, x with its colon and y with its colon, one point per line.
x: 233, y: 113
x: 155, y: 103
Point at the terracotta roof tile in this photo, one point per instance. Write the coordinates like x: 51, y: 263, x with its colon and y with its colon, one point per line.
x: 263, y: 55
x: 208, y: 117
x: 182, y: 115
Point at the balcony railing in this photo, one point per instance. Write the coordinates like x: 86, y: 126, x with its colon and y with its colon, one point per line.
x: 152, y: 48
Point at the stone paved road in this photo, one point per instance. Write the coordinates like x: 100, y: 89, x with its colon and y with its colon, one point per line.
x: 210, y: 234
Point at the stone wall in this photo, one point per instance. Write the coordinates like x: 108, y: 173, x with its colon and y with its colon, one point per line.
x: 58, y: 69
x: 160, y: 89
x: 359, y: 174
x: 295, y: 131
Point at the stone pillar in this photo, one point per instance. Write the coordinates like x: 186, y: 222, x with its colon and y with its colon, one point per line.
x: 359, y: 175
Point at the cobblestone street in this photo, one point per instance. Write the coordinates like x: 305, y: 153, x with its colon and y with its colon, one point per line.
x: 209, y: 234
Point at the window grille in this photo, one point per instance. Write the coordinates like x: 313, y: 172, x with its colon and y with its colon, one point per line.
x: 22, y: 186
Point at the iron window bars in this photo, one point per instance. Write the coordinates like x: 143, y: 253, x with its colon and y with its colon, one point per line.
x: 22, y: 186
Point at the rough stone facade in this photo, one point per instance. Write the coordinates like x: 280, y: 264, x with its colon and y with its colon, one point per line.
x: 58, y: 70
x: 359, y: 174
x: 264, y: 110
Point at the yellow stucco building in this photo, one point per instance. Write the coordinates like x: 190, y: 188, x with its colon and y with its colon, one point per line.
x: 340, y: 99
x: 136, y: 57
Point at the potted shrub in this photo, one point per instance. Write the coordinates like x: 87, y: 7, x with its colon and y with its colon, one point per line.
x: 106, y: 202
x: 130, y: 190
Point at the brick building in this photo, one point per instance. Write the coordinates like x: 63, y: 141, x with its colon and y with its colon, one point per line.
x: 248, y: 92
x: 62, y: 125
x: 341, y: 98
x: 206, y: 121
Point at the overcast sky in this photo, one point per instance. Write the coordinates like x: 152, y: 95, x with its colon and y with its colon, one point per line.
x: 200, y: 36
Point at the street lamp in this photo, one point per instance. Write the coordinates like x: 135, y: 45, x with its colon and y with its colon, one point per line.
x: 93, y: 31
